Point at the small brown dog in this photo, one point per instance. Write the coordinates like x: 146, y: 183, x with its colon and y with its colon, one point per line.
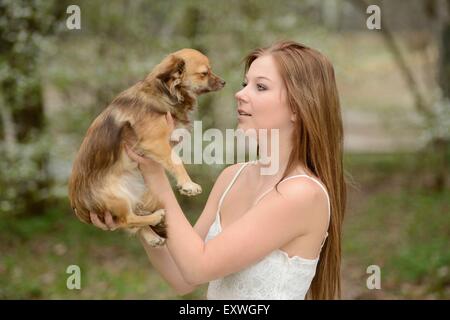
x: 104, y: 178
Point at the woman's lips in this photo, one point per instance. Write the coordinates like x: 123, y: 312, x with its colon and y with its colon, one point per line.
x: 243, y: 114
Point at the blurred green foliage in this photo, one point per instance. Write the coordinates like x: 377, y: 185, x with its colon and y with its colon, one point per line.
x: 24, y: 141
x: 400, y: 224
x: 55, y: 81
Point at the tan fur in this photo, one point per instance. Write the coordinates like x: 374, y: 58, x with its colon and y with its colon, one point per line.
x: 104, y: 178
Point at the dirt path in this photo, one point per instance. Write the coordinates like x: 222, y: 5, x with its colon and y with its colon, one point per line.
x: 374, y: 131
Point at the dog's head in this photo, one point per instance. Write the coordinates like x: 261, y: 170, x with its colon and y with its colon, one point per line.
x: 187, y: 73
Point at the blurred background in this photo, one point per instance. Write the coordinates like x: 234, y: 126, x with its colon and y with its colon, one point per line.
x: 394, y: 89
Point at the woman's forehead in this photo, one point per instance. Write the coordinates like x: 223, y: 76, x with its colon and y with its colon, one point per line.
x: 263, y: 66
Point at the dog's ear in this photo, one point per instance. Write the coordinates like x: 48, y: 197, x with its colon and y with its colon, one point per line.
x: 171, y: 67
x: 128, y: 134
x: 170, y: 73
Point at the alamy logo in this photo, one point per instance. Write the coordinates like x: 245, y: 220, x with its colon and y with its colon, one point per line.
x: 374, y: 280
x: 213, y: 153
x: 74, y: 280
x: 74, y: 20
x: 374, y: 20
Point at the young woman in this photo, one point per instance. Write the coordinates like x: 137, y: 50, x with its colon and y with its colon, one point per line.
x: 266, y: 236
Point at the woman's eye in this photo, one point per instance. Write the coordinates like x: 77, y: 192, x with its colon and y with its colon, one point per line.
x: 244, y: 84
x: 260, y: 87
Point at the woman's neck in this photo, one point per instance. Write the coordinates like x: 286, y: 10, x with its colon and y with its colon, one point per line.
x: 274, y: 154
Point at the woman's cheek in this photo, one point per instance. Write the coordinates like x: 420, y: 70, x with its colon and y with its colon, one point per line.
x: 266, y: 114
x: 264, y: 122
x: 271, y: 117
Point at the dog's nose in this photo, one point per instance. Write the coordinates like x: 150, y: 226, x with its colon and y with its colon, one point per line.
x: 222, y: 82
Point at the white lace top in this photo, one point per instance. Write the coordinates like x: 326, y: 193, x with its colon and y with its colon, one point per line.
x: 276, y: 276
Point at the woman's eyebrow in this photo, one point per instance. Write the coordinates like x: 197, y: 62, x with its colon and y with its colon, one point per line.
x: 260, y: 77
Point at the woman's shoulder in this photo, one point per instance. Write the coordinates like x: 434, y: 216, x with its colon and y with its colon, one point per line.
x: 305, y: 182
x: 308, y: 193
x: 304, y: 185
x: 234, y: 168
x: 229, y: 172
x: 224, y: 180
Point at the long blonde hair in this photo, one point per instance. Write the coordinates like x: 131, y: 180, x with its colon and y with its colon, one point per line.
x: 317, y: 143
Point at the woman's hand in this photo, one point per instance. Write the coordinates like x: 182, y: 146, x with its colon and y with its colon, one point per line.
x: 109, y: 221
x: 146, y: 165
x: 109, y: 224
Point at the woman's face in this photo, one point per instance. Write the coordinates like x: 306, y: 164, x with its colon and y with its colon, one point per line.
x: 263, y: 98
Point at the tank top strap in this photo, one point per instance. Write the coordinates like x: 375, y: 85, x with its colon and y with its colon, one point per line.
x: 319, y: 184
x: 296, y: 176
x: 328, y: 200
x: 231, y: 183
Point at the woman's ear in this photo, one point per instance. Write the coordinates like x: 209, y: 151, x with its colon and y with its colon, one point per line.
x: 293, y: 116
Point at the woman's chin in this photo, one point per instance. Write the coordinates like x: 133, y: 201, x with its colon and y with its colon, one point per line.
x: 243, y: 125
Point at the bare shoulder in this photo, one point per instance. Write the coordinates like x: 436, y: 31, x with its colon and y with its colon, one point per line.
x: 227, y: 174
x: 209, y: 212
x: 308, y: 195
x: 223, y: 180
x: 304, y: 186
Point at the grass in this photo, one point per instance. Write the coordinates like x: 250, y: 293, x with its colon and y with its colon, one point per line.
x: 36, y: 252
x: 395, y: 222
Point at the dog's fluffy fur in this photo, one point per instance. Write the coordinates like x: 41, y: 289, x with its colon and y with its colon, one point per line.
x: 104, y: 178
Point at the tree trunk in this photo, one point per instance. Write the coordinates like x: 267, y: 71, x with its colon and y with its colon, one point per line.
x: 442, y: 145
x: 444, y: 69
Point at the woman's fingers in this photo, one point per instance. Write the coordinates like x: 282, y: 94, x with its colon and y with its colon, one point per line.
x: 133, y: 155
x: 96, y: 221
x: 110, y: 221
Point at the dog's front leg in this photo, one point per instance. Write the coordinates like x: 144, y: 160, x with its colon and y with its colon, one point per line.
x: 162, y: 152
x: 155, y: 143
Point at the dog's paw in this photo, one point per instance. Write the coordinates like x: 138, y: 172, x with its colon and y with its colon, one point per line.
x: 151, y: 237
x: 140, y: 210
x: 159, y: 216
x: 156, y: 242
x: 190, y: 189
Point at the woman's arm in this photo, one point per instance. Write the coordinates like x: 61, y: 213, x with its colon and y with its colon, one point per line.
x: 162, y: 261
x: 299, y: 209
x: 161, y: 258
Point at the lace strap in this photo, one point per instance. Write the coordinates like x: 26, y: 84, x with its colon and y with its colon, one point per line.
x: 231, y: 183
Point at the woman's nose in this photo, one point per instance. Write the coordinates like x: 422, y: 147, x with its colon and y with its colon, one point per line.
x: 240, y: 95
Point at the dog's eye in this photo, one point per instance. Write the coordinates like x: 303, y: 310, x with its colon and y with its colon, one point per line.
x: 204, y: 74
